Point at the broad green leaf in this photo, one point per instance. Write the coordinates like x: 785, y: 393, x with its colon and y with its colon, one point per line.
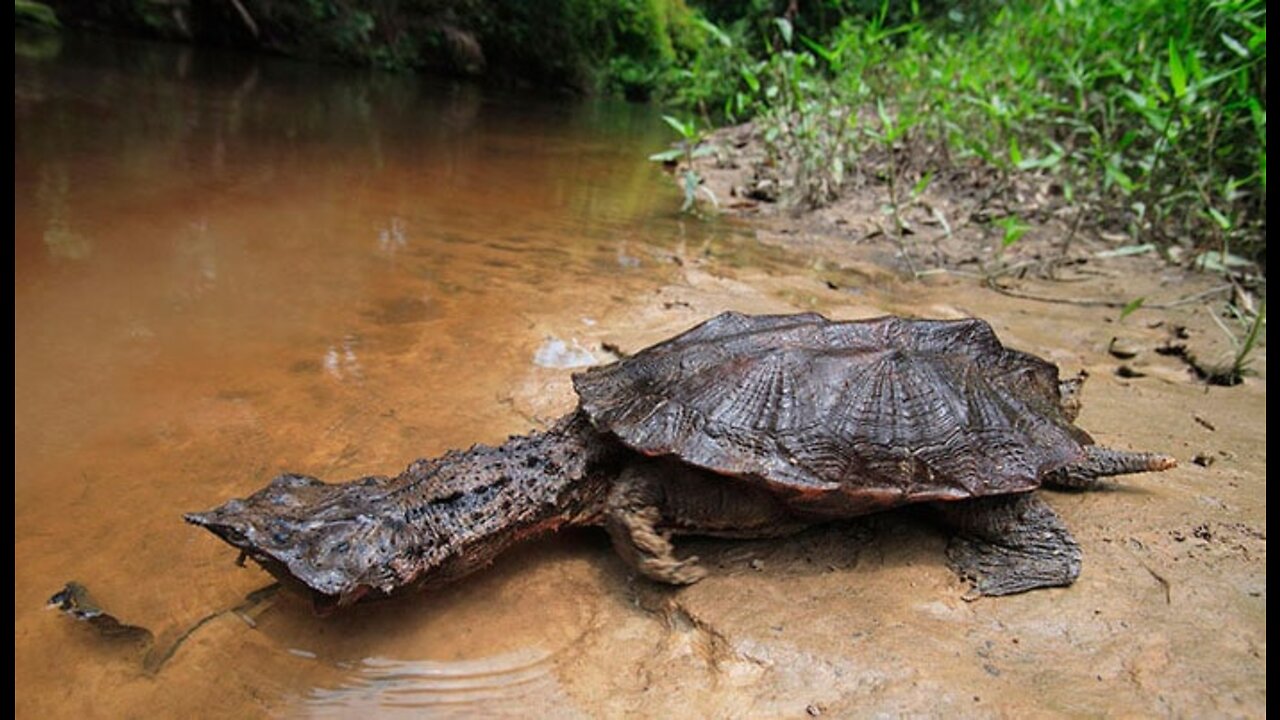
x: 1234, y: 45
x: 831, y: 56
x: 885, y: 121
x: 667, y: 155
x: 784, y: 28
x: 1015, y: 153
x: 1119, y: 177
x: 1013, y: 230
x: 1259, y: 116
x: 1177, y: 72
x: 1049, y: 161
x: 714, y: 31
x: 1196, y: 71
x: 1139, y: 100
x: 1258, y: 38
x: 685, y: 129
x: 922, y: 184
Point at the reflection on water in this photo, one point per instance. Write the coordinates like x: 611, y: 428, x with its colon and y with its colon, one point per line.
x: 61, y: 239
x: 227, y: 267
x: 556, y: 353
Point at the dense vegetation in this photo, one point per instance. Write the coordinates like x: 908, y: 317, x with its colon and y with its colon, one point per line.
x: 1154, y: 111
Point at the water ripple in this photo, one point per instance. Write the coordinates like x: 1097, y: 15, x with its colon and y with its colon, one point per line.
x: 506, y: 685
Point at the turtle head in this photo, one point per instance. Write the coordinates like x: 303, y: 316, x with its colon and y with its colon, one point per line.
x: 439, y: 520
x: 1069, y: 394
x: 307, y: 532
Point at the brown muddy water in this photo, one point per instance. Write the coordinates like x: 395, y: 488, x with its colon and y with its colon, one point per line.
x: 226, y: 268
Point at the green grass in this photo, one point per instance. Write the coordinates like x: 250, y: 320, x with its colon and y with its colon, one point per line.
x: 1152, y: 112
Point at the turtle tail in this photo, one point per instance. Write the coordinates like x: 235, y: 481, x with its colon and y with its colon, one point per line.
x: 1100, y: 462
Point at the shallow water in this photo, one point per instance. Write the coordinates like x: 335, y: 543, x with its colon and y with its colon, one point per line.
x: 227, y: 267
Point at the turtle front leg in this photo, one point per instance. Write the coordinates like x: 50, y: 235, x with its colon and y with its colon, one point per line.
x: 1100, y: 462
x: 632, y: 515
x: 653, y: 499
x: 1010, y: 544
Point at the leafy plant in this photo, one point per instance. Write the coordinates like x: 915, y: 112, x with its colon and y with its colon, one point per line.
x: 807, y: 125
x: 1233, y: 372
x: 1013, y: 228
x: 1244, y: 349
x: 1151, y: 114
x: 691, y: 146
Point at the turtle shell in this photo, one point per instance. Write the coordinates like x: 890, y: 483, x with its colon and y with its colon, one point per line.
x: 842, y: 417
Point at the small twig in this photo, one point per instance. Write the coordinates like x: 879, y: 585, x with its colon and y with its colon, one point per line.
x: 897, y: 217
x: 942, y: 220
x: 1162, y: 580
x: 1095, y: 302
x: 962, y: 273
x: 1223, y: 326
x: 1044, y: 266
x: 1010, y: 269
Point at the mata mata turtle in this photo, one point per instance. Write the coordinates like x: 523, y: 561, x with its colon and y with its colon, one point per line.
x: 744, y: 426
